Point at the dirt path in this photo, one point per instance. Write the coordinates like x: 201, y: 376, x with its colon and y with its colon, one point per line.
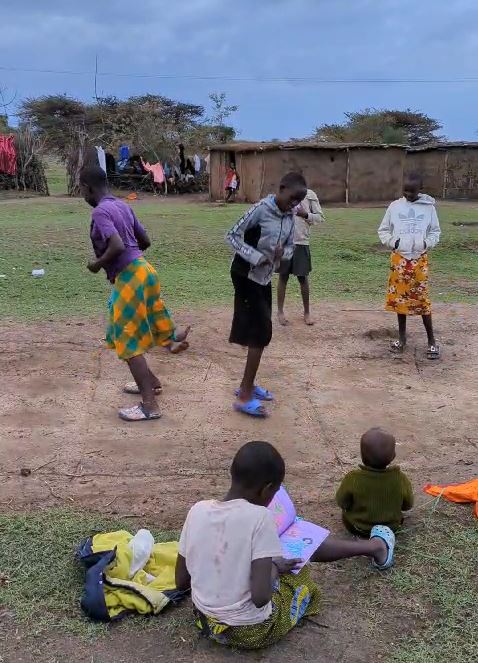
x: 60, y: 391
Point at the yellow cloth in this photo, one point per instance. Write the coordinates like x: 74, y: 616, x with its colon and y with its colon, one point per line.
x: 142, y: 593
x: 407, y: 292
x: 462, y: 493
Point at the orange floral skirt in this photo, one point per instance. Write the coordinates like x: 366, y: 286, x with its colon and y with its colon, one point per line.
x: 407, y: 292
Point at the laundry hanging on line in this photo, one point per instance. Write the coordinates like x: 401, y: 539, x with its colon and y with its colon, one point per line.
x: 156, y: 170
x: 101, y: 158
x: 8, y: 155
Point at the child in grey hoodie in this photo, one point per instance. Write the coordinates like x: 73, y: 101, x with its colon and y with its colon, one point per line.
x: 410, y: 228
x: 260, y: 239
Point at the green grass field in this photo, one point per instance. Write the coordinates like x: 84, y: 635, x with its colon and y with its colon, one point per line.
x: 188, y: 246
x: 433, y: 584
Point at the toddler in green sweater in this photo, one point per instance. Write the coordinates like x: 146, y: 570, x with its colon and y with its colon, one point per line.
x: 376, y: 493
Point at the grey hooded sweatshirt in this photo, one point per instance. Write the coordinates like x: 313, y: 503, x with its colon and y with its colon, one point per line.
x: 255, y: 237
x: 410, y: 229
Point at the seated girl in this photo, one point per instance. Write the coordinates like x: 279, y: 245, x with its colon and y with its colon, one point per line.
x: 230, y: 556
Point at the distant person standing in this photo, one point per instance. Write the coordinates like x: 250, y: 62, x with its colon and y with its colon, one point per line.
x: 309, y: 213
x: 231, y: 183
x: 410, y: 228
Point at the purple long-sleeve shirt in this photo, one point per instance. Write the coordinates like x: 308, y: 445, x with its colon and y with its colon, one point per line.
x: 109, y: 217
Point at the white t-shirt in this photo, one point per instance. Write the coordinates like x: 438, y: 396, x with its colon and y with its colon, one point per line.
x: 219, y: 541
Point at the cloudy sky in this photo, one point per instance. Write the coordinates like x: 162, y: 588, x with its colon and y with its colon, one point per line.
x: 188, y: 49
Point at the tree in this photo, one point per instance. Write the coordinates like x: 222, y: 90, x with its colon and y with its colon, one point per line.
x: 152, y: 124
x: 216, y: 128
x: 6, y: 100
x: 382, y: 126
x: 54, y: 118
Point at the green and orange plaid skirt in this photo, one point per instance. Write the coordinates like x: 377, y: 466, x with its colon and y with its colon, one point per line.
x: 139, y: 319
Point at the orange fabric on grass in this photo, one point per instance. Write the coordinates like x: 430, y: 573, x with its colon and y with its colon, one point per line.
x: 462, y: 493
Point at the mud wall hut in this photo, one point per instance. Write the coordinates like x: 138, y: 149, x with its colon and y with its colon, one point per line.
x: 449, y: 170
x: 340, y: 173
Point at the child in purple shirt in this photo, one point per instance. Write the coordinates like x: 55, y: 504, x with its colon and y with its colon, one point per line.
x: 139, y: 320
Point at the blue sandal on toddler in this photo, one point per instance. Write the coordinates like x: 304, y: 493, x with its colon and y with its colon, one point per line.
x: 386, y: 534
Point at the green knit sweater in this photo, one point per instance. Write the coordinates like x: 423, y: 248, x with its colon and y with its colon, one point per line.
x: 371, y: 497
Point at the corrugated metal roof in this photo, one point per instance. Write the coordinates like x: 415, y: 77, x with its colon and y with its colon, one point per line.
x: 251, y: 146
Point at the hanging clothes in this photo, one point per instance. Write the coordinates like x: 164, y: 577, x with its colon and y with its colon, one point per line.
x: 157, y: 171
x: 110, y: 164
x: 182, y: 159
x: 123, y: 152
x: 197, y: 163
x: 8, y: 155
x: 101, y: 157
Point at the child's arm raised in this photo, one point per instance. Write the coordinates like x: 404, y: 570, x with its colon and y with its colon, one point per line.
x: 235, y: 237
x: 183, y: 579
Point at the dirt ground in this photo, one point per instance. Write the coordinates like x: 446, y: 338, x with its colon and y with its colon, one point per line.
x: 60, y: 392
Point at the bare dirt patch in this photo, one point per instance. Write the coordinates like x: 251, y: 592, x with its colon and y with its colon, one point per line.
x: 61, y: 390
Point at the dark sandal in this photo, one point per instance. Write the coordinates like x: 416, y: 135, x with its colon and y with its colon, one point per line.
x: 433, y: 352
x: 397, y: 347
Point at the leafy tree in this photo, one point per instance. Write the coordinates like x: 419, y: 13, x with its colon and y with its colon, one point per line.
x: 382, y: 126
x: 153, y: 124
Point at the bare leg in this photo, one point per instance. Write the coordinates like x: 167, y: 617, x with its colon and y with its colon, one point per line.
x: 156, y: 383
x: 333, y: 549
x: 281, y: 288
x: 142, y: 376
x: 427, y: 321
x: 402, y: 328
x: 254, y: 356
x: 305, y: 292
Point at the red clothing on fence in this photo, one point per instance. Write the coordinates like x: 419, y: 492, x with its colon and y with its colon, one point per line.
x: 8, y: 155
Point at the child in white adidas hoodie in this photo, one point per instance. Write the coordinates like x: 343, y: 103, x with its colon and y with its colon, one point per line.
x: 410, y: 228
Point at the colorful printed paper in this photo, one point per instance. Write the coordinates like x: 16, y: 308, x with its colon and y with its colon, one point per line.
x: 299, y: 538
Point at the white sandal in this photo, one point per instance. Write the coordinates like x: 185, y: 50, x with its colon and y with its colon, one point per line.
x: 137, y: 413
x: 132, y: 388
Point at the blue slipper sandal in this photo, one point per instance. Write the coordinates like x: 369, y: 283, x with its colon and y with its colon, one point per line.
x: 253, y: 408
x: 385, y: 533
x: 259, y: 393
